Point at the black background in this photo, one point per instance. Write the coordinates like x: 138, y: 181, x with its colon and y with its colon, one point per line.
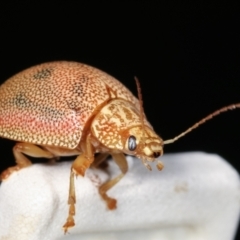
x: 186, y: 56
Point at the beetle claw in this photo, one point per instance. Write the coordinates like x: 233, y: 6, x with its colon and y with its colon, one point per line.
x: 69, y: 223
x: 112, y: 204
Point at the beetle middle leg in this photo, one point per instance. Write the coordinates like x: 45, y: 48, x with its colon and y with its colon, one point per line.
x: 21, y: 160
x: 121, y: 161
x: 100, y: 161
x: 79, y: 166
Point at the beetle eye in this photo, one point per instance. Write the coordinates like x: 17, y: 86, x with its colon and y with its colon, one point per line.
x: 132, y: 143
x: 156, y: 154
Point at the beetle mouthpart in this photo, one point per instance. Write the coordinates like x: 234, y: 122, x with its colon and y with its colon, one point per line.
x: 152, y: 151
x: 146, y: 165
x: 160, y: 165
x: 147, y: 151
x: 156, y: 147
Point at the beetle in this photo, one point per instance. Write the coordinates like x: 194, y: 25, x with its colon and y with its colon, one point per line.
x: 67, y: 108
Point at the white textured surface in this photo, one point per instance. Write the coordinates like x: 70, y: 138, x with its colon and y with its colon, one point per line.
x: 196, y: 196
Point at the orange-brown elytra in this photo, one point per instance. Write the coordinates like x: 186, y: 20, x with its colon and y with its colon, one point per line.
x: 67, y: 108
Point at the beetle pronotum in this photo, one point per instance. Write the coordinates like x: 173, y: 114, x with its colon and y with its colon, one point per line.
x: 68, y: 108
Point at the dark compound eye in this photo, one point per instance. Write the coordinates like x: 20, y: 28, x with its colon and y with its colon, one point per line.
x: 156, y: 154
x: 132, y: 143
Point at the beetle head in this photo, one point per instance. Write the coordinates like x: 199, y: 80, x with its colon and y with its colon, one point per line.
x: 119, y: 127
x: 143, y: 143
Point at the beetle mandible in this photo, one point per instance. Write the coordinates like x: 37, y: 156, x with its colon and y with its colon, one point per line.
x: 68, y: 108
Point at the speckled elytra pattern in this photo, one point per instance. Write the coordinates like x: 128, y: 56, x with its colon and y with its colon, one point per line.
x: 50, y: 103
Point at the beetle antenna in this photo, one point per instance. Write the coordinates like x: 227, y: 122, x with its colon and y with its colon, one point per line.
x: 140, y: 103
x: 196, y: 125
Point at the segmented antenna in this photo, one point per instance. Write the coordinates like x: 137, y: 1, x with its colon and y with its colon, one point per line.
x: 210, y: 116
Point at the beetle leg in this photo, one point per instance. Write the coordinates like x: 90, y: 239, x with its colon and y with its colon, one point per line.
x: 120, y: 160
x: 71, y: 202
x: 21, y: 160
x: 84, y: 160
x: 79, y: 166
x: 99, y: 159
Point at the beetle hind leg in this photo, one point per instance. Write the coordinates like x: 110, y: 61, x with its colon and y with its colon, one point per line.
x: 122, y: 163
x: 21, y: 160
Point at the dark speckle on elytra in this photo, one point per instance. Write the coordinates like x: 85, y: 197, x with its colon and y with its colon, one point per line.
x: 20, y: 100
x: 84, y: 78
x: 76, y: 89
x: 42, y: 74
x: 72, y: 104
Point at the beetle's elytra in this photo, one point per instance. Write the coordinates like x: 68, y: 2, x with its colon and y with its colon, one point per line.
x: 68, y: 108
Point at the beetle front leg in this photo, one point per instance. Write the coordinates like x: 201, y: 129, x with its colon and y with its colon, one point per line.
x: 21, y: 160
x: 120, y: 160
x: 79, y: 166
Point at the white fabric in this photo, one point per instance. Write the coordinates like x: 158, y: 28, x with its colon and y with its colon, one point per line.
x: 196, y: 196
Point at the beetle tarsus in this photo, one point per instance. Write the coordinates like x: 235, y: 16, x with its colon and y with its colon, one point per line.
x: 160, y: 166
x: 71, y: 202
x: 111, y: 202
x: 69, y: 223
